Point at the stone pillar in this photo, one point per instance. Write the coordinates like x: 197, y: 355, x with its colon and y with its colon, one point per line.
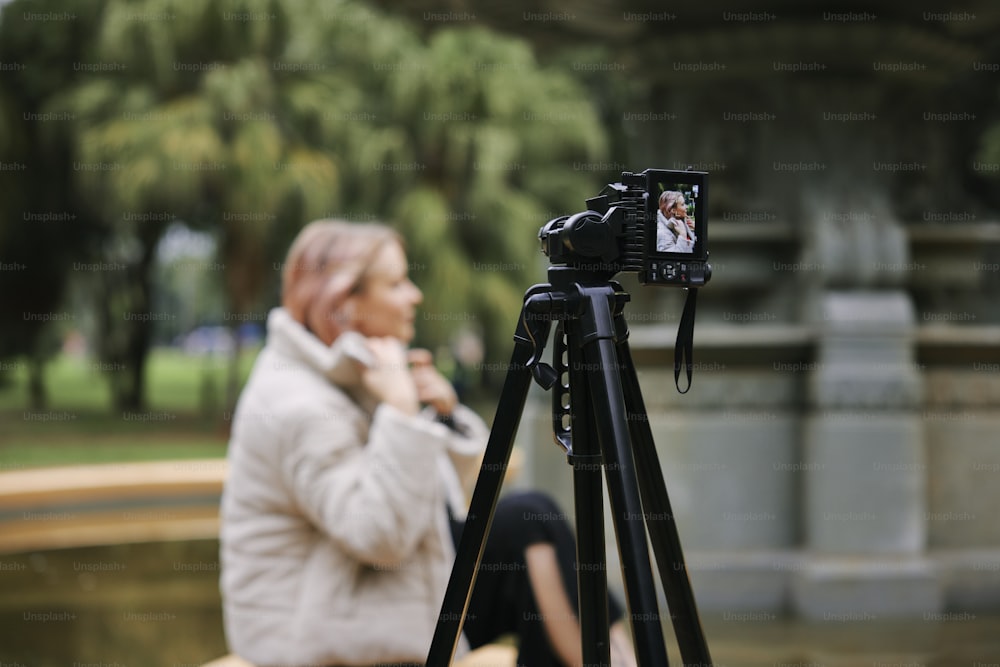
x: 865, y: 492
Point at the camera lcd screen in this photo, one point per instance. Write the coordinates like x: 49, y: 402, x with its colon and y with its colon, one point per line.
x: 676, y: 208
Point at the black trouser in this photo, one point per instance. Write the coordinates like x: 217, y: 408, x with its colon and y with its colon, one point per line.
x: 502, y: 601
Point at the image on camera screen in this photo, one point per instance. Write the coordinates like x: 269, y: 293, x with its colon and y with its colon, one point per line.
x: 676, y: 206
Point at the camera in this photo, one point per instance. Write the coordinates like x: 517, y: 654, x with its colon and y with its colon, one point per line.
x: 653, y: 223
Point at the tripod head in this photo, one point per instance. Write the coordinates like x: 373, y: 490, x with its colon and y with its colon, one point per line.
x: 563, y: 298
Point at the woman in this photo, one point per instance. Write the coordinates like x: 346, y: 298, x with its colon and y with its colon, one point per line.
x: 344, y: 496
x: 674, y: 230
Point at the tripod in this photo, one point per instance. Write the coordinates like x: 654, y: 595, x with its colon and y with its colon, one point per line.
x: 597, y: 414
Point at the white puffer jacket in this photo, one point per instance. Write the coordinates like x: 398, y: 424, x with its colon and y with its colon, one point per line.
x: 335, y: 544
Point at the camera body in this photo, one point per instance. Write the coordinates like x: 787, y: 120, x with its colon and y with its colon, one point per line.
x: 652, y: 223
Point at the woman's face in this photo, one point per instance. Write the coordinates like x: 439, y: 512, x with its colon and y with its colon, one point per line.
x: 680, y: 208
x: 386, y: 302
x: 383, y: 305
x: 676, y: 210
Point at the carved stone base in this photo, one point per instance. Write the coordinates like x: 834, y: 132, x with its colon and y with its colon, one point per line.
x: 866, y: 589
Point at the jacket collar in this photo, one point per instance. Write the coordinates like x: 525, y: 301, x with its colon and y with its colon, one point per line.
x: 341, y: 362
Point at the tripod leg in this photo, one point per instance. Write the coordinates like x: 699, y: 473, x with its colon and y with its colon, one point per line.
x: 609, y: 413
x: 588, y: 493
x: 483, y: 504
x: 660, y: 522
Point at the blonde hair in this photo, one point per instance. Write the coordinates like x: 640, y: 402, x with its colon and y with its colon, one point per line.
x: 671, y: 198
x: 330, y: 250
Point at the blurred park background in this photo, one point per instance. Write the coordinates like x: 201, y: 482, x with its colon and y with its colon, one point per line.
x: 835, y: 469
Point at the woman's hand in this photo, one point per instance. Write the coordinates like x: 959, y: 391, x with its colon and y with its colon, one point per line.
x: 433, y: 388
x: 405, y: 379
x: 389, y: 379
x: 684, y: 228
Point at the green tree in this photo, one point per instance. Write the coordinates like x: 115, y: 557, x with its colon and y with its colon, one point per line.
x: 44, y: 233
x: 186, y: 118
x: 248, y: 119
x: 466, y: 144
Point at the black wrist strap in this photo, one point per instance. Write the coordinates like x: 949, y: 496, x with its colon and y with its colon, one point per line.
x: 684, y: 347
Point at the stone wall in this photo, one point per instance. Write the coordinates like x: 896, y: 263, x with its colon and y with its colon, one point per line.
x: 838, y: 456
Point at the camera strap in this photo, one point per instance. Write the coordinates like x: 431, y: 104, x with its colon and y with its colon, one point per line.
x: 684, y: 347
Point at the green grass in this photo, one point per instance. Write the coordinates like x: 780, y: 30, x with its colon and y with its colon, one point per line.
x: 174, y: 381
x: 19, y: 456
x: 186, y: 414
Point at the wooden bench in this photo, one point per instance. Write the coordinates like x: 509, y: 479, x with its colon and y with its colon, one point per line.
x: 493, y: 655
x: 115, y: 503
x: 119, y: 503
